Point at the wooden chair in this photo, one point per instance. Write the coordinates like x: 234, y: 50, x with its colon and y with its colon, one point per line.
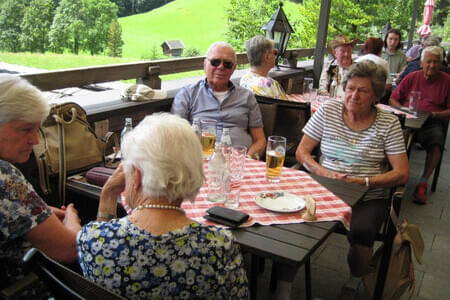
x: 269, y: 115
x: 291, y: 117
x: 63, y: 282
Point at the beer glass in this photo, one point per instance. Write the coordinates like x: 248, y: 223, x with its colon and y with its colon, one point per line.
x: 208, y: 137
x: 275, y: 154
x: 414, y: 102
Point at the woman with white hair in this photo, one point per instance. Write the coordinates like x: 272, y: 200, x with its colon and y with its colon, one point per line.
x: 156, y: 251
x: 25, y: 219
x: 262, y: 57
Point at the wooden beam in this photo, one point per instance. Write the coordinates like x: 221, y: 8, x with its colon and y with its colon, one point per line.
x: 413, y: 23
x: 321, y: 39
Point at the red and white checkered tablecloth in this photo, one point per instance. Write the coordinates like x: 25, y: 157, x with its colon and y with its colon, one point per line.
x: 396, y: 111
x: 328, y: 206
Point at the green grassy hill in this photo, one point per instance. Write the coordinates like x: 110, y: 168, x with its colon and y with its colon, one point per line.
x: 198, y: 23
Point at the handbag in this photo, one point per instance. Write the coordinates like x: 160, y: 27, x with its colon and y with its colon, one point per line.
x: 67, y: 145
x: 400, y: 274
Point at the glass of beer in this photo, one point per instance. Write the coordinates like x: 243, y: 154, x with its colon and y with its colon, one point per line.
x: 208, y: 138
x: 275, y: 153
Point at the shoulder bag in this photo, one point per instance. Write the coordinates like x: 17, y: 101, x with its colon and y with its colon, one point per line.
x: 67, y: 145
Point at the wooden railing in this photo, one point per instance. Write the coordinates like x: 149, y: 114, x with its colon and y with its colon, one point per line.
x: 147, y: 72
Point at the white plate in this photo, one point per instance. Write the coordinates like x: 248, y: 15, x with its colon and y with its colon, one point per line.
x: 280, y: 201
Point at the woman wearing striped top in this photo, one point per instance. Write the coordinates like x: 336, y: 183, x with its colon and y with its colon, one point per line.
x: 357, y: 140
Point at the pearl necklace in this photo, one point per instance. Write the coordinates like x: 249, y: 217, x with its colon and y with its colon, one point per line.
x: 158, y: 206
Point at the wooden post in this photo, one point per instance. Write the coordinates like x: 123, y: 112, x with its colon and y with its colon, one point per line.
x: 152, y: 79
x: 413, y: 23
x: 321, y: 39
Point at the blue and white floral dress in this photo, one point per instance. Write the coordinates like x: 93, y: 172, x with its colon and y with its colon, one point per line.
x: 193, y: 262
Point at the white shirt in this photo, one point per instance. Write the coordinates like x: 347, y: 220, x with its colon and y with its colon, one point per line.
x: 379, y: 61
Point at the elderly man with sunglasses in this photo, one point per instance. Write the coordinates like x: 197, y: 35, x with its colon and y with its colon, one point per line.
x: 216, y: 97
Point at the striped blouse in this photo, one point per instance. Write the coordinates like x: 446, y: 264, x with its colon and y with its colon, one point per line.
x: 356, y: 153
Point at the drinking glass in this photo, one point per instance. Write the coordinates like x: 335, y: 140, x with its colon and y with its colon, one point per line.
x: 414, y: 102
x: 275, y: 154
x: 237, y: 162
x: 208, y: 138
x: 307, y: 85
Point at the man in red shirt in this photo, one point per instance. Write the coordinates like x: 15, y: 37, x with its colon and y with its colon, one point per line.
x: 434, y: 86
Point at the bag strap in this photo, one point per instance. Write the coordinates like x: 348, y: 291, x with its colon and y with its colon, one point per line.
x: 62, y: 154
x: 110, y: 136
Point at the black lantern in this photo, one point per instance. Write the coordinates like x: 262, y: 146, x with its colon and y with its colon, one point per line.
x: 279, y: 30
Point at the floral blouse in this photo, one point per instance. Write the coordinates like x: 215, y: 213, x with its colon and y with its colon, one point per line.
x: 264, y: 86
x: 193, y: 262
x: 21, y: 209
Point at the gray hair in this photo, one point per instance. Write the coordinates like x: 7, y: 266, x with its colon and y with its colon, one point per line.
x: 221, y: 45
x: 19, y: 100
x: 256, y: 47
x: 368, y: 69
x: 434, y: 50
x: 167, y: 152
x: 431, y: 41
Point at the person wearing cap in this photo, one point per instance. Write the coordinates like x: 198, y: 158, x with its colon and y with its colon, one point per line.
x: 216, y: 97
x: 393, y: 52
x: 434, y: 86
x: 262, y: 56
x: 334, y: 71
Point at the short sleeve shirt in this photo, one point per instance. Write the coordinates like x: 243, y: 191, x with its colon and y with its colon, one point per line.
x: 356, y: 153
x: 435, y: 93
x: 239, y: 111
x: 264, y: 86
x: 193, y: 262
x: 21, y: 209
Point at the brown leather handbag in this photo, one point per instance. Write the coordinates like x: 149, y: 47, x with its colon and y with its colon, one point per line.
x: 67, y: 145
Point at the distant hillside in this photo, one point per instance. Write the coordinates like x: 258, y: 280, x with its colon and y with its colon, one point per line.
x: 197, y: 23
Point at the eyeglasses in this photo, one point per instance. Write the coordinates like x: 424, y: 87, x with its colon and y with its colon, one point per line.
x: 215, y: 62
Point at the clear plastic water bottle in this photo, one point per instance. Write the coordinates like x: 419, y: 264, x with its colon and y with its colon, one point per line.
x: 196, y: 127
x: 217, y: 174
x: 126, y: 128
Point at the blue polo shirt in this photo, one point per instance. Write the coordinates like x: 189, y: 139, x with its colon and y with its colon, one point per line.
x: 239, y: 110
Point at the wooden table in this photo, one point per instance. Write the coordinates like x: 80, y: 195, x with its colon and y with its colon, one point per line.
x: 289, y: 246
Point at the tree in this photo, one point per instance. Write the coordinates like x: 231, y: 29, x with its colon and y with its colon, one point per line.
x: 115, y: 42
x: 12, y: 12
x: 36, y: 24
x: 82, y: 25
x: 245, y: 19
x: 96, y: 17
x: 67, y: 27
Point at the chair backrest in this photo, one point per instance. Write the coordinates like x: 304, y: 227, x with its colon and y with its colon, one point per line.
x: 269, y: 115
x: 63, y: 282
x: 290, y: 119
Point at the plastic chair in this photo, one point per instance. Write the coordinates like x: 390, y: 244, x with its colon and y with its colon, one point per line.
x: 63, y: 282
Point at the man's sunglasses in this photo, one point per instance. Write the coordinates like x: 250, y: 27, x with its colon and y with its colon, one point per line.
x: 215, y: 62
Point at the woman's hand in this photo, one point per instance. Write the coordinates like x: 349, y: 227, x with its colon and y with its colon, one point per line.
x: 71, y: 219
x: 116, y: 183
